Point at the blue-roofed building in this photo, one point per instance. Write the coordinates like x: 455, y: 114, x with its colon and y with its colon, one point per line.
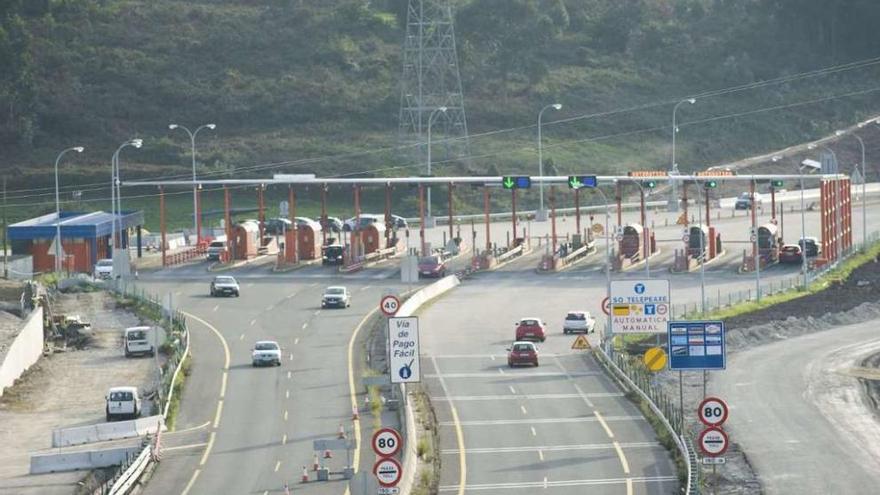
x: 85, y: 238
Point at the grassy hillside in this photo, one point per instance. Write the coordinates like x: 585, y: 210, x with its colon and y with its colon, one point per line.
x: 290, y: 83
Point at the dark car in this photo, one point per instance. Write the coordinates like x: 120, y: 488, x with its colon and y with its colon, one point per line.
x: 276, y: 226
x: 744, y: 201
x: 399, y: 222
x: 810, y: 245
x: 791, y: 253
x: 522, y: 353
x: 432, y: 266
x: 332, y: 224
x: 333, y: 254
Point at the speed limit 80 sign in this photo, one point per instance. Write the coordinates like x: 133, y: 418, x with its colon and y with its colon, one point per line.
x: 713, y: 411
x: 386, y: 442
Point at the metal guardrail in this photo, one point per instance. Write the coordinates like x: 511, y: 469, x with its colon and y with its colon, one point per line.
x: 638, y: 382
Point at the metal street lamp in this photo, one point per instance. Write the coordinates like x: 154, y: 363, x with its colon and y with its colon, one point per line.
x: 192, y: 139
x: 78, y: 149
x: 430, y: 219
x: 115, y: 193
x: 609, y: 335
x: 674, y: 166
x: 864, y: 182
x: 541, y: 215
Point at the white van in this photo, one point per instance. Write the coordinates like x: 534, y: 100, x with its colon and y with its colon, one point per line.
x: 123, y: 402
x: 139, y: 341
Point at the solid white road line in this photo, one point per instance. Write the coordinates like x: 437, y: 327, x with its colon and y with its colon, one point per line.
x: 526, y: 396
x: 182, y: 447
x: 192, y: 481
x: 519, y: 374
x: 497, y: 422
x: 622, y: 457
x: 604, y: 424
x: 555, y: 448
x: 562, y: 483
x: 459, y: 435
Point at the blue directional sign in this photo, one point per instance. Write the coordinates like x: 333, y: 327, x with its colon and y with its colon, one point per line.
x: 579, y: 181
x: 516, y: 182
x: 696, y: 345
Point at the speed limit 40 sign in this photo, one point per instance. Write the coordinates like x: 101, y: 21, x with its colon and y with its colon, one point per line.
x: 386, y: 442
x: 713, y: 411
x: 389, y: 305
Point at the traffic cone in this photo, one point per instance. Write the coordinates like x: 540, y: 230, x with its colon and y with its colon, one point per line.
x: 354, y: 413
x: 315, y: 463
x: 327, y: 454
x: 305, y: 475
x: 341, y: 433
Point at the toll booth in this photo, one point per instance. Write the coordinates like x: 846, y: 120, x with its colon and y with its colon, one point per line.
x: 308, y: 237
x: 769, y: 243
x: 631, y: 243
x: 373, y: 237
x: 245, y: 241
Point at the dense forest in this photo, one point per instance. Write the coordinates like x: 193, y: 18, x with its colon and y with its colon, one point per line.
x: 292, y: 82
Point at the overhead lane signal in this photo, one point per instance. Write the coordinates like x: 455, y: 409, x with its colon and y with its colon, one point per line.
x: 516, y: 182
x: 580, y: 181
x: 775, y: 183
x: 650, y: 184
x: 710, y: 184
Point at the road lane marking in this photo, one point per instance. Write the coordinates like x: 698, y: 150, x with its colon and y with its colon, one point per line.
x: 505, y: 487
x: 518, y: 373
x: 545, y: 482
x: 317, y: 312
x: 570, y: 377
x: 604, y: 424
x: 270, y: 307
x: 501, y: 370
x: 277, y: 466
x: 253, y: 322
x: 512, y: 390
x: 310, y: 285
x: 177, y: 293
x: 305, y: 325
x: 191, y: 482
x: 287, y: 394
x: 366, y: 287
x: 492, y: 358
x: 291, y: 356
x: 182, y: 447
x: 241, y: 337
x: 215, y: 308
x: 218, y: 413
x: 208, y: 449
x: 525, y: 396
x: 498, y: 422
x: 284, y: 439
x: 555, y: 448
x: 223, y: 384
x: 285, y: 415
x: 523, y: 409
x: 249, y: 284
x: 289, y: 374
x: 534, y: 433
x: 459, y: 433
x: 296, y: 341
x: 629, y: 486
x: 622, y: 457
x: 541, y: 455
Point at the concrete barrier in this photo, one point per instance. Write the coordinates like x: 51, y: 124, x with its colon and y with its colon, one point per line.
x: 408, y: 308
x: 25, y: 350
x: 73, y: 461
x: 103, y: 432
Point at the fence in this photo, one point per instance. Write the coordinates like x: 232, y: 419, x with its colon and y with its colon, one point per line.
x: 176, y: 348
x: 725, y: 299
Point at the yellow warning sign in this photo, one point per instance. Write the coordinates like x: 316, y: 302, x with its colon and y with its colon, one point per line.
x: 581, y: 343
x: 597, y: 228
x: 682, y: 219
x: 655, y: 359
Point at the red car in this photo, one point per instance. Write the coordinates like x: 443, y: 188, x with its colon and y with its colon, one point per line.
x: 432, y: 266
x: 522, y: 353
x: 791, y: 253
x: 530, y: 329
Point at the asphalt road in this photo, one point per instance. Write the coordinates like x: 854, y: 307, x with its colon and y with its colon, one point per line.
x: 800, y: 416
x: 261, y: 435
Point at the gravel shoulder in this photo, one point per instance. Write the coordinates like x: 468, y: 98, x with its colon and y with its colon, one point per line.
x: 67, y: 389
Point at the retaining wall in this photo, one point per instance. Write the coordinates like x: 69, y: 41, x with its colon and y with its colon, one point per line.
x: 25, y: 350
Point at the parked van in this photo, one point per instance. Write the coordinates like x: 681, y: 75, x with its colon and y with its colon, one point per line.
x: 123, y: 402
x: 139, y: 341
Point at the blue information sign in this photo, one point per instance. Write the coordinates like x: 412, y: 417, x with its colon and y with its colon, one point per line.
x: 696, y: 345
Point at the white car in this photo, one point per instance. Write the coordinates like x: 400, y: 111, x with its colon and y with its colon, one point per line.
x: 266, y: 353
x: 123, y: 402
x: 579, y: 321
x: 104, y: 269
x: 224, y: 285
x: 138, y: 341
x: 336, y: 297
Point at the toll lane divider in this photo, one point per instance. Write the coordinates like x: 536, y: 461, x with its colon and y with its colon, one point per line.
x: 408, y: 308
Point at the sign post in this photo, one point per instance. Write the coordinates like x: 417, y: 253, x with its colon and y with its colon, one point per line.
x: 639, y: 306
x: 403, y: 335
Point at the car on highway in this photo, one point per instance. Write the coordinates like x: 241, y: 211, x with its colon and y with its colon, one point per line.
x: 139, y: 341
x: 366, y: 219
x: 522, y: 352
x: 336, y: 297
x: 578, y: 321
x: 744, y: 201
x: 791, y: 253
x: 266, y: 353
x: 104, y: 269
x: 531, y: 329
x: 432, y: 266
x: 224, y: 285
x: 215, y: 250
x: 399, y: 222
x: 332, y: 254
x: 122, y: 402
x: 810, y: 245
x: 332, y: 224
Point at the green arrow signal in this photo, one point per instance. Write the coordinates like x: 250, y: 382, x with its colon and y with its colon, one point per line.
x: 508, y: 183
x: 574, y: 183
